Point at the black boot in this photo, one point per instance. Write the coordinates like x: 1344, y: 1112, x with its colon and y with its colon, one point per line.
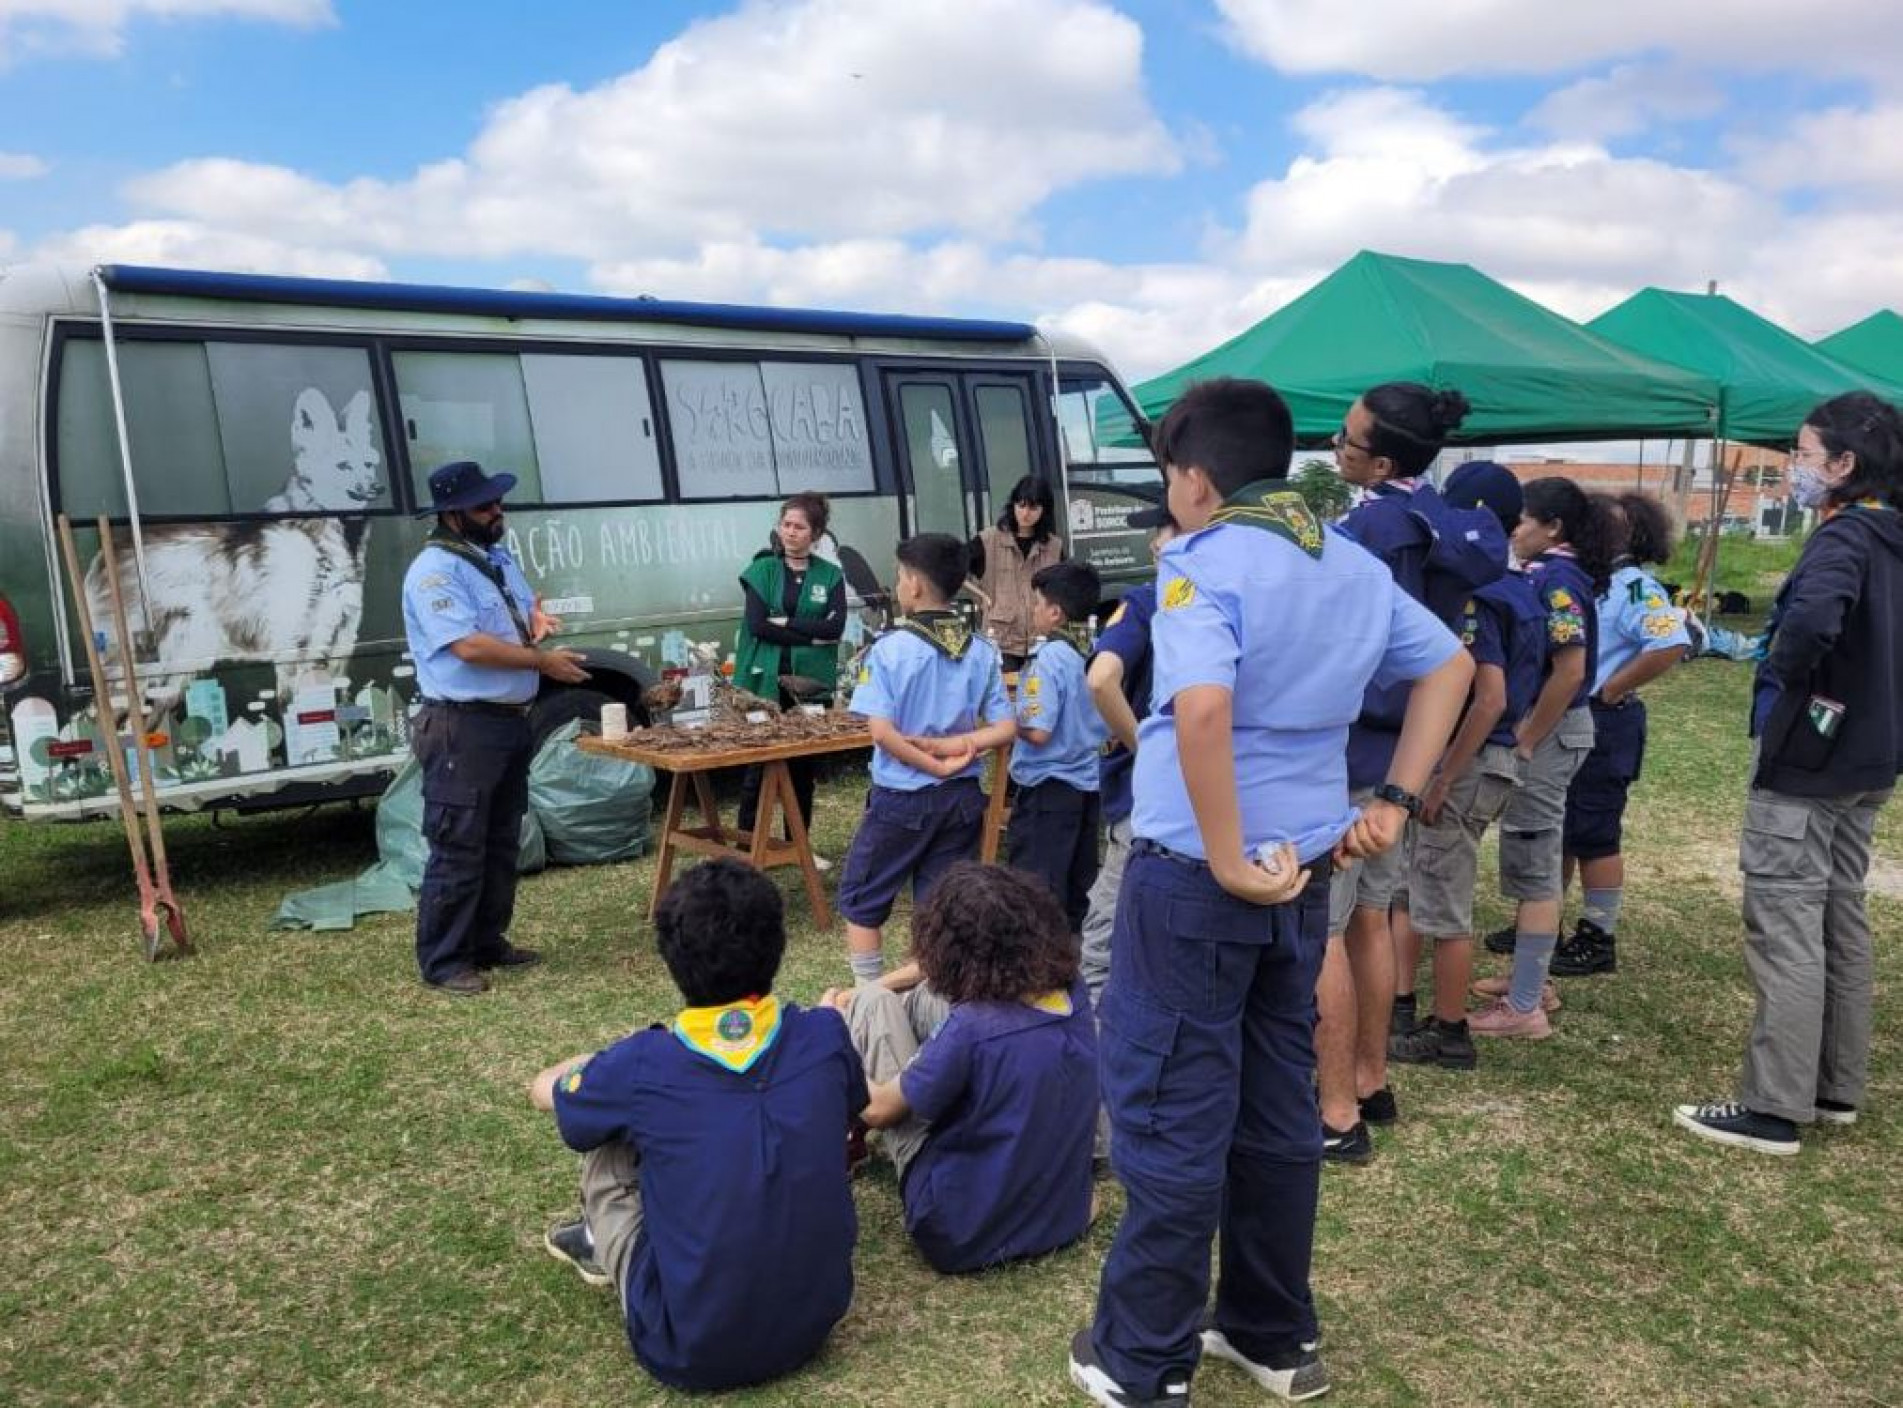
x: 1586, y: 951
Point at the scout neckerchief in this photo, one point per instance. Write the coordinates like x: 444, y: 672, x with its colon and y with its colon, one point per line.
x: 1269, y: 505
x: 1075, y: 634
x: 449, y: 542
x: 945, y: 631
x: 1368, y: 493
x: 1056, y: 1002
x: 732, y: 1036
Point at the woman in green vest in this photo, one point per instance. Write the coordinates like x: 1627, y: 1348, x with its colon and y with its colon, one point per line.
x: 795, y: 614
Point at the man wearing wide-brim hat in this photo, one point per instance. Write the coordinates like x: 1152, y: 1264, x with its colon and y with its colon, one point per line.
x: 474, y: 627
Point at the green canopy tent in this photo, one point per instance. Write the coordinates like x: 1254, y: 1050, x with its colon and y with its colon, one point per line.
x: 1770, y: 379
x: 1530, y: 374
x: 1874, y: 345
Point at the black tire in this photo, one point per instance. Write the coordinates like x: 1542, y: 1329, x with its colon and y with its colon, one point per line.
x: 551, y: 711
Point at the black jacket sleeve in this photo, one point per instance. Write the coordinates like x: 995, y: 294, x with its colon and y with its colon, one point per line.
x: 760, y: 628
x: 1822, y: 594
x: 822, y: 630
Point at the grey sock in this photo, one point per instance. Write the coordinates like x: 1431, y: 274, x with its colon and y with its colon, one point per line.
x: 866, y: 967
x: 1602, y: 908
x: 1531, y: 954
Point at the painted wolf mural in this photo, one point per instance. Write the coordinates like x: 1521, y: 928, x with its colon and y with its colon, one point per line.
x: 285, y: 590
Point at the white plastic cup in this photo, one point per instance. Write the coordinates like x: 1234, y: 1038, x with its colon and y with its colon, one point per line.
x: 614, y: 722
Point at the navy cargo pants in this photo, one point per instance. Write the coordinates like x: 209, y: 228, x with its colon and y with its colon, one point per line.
x: 1208, y: 1064
x: 475, y: 789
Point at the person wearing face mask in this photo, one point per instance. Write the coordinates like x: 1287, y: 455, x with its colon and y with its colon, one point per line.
x: 475, y: 629
x: 1827, y: 717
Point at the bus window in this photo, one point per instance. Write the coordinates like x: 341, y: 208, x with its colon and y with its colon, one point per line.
x: 296, y: 406
x: 594, y: 430
x: 467, y: 406
x: 178, y: 464
x: 931, y: 445
x: 1004, y: 430
x: 756, y: 429
x: 1101, y: 437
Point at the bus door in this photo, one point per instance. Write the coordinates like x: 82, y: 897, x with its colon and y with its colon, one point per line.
x: 964, y: 439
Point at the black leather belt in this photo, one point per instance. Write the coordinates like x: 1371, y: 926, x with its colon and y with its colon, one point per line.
x: 1319, y: 868
x: 481, y: 706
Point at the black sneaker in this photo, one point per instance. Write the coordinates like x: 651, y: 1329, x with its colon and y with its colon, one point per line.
x: 509, y: 956
x: 1836, y: 1112
x: 571, y: 1242
x: 464, y: 982
x: 1435, y: 1043
x: 1584, y: 952
x: 1347, y: 1146
x: 1503, y: 940
x: 1088, y: 1373
x: 1403, y: 1017
x: 1294, y: 1375
x: 1379, y: 1108
x: 1727, y: 1122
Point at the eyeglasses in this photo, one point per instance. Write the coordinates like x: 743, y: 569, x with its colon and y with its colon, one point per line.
x: 1820, y: 455
x: 1341, y: 439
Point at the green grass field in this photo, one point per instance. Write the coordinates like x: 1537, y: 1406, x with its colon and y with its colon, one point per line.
x: 281, y: 1172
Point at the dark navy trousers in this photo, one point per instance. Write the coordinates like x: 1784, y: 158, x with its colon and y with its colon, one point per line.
x: 475, y: 790
x: 1208, y: 1074
x: 1053, y: 835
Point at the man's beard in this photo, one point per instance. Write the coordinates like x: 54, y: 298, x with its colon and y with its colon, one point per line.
x: 484, y: 534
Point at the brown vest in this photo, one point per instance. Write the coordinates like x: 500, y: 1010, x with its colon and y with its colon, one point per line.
x: 1007, y: 581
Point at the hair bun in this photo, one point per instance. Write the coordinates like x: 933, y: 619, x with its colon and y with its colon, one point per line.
x: 1449, y: 410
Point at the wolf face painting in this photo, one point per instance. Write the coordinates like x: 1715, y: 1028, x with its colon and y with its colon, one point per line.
x: 289, y: 591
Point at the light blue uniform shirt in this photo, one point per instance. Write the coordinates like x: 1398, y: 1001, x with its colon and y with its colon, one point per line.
x: 1296, y: 640
x: 1053, y: 695
x: 446, y: 598
x: 1635, y: 615
x: 927, y: 694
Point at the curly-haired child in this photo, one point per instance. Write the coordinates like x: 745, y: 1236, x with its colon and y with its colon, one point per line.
x: 984, y: 1078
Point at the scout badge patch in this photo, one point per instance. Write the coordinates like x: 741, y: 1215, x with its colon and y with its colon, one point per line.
x: 945, y: 631
x: 1278, y: 511
x: 1178, y: 594
x: 735, y: 1035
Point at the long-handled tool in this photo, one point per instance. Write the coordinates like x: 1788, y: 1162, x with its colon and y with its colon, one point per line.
x: 157, y: 904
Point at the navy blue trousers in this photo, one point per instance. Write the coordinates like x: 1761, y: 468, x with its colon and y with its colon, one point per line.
x: 1053, y: 835
x: 475, y: 790
x: 1208, y: 1073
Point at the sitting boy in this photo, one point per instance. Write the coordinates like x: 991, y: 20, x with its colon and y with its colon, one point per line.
x: 984, y: 1078
x: 714, y: 1185
x: 1054, y: 817
x: 933, y: 694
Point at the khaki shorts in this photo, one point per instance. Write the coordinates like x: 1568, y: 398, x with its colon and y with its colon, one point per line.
x: 1370, y: 884
x: 1532, y: 831
x: 1447, y: 854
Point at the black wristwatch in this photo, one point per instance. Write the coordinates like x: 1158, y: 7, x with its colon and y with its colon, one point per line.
x: 1400, y: 797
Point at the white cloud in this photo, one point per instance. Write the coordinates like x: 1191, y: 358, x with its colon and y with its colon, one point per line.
x: 1859, y: 149
x: 824, y: 120
x: 98, y: 27
x: 183, y: 244
x: 1626, y: 100
x: 1408, y: 41
x: 20, y: 166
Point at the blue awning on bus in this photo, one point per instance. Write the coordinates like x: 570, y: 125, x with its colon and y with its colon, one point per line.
x: 511, y: 303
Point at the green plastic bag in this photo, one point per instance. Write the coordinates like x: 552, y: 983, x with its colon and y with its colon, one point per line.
x: 593, y: 810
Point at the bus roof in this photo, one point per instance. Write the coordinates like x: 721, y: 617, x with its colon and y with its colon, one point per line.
x: 511, y: 303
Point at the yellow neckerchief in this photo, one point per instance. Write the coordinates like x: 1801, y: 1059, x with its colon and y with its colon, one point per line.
x: 735, y: 1035
x: 945, y: 631
x: 1269, y: 504
x: 1056, y: 1002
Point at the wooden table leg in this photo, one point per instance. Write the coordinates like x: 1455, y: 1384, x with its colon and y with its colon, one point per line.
x: 710, y: 814
x: 664, y: 863
x: 996, y: 810
x: 779, y: 785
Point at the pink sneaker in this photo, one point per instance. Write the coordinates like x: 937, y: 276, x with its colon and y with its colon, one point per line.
x: 1501, y: 1020
x: 1498, y: 987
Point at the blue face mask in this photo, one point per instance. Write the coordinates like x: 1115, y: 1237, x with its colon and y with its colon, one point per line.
x: 1809, y: 486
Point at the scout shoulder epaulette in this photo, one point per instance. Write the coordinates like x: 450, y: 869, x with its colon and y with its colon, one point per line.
x: 945, y: 631
x: 1279, y: 511
x: 441, y: 537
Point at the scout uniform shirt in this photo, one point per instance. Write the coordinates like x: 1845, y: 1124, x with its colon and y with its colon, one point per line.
x: 447, y: 597
x: 1053, y: 694
x: 1635, y: 617
x: 929, y: 690
x: 1294, y: 621
x: 1010, y: 1091
x: 1127, y: 636
x: 739, y: 1116
x: 1504, y: 625
x: 1566, y: 592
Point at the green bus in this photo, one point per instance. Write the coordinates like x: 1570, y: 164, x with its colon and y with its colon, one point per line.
x: 259, y: 446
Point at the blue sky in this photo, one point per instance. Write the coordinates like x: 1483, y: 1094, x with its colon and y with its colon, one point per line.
x: 1155, y: 174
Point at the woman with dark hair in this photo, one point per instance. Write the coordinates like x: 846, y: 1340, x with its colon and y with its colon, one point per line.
x: 1566, y: 543
x: 1004, y: 558
x: 1387, y: 440
x: 795, y: 602
x: 1827, y: 715
x: 1641, y: 636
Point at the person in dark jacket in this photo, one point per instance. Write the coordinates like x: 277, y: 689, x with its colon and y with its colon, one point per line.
x: 1827, y: 714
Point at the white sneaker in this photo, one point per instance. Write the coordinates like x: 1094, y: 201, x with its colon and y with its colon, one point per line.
x: 1297, y: 1375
